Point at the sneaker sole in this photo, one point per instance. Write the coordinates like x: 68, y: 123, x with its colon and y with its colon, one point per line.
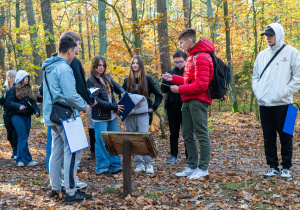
x: 266, y: 176
x: 72, y: 202
x: 287, y: 178
x: 206, y: 177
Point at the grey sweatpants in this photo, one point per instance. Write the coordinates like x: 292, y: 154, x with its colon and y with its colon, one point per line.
x: 139, y: 123
x: 61, y: 158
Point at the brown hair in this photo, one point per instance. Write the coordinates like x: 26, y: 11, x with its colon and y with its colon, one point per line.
x: 105, y: 75
x: 187, y: 33
x: 24, y: 90
x: 12, y: 74
x: 142, y: 85
x: 71, y: 34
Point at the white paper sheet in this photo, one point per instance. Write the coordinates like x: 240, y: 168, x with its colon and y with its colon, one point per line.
x: 75, y: 134
x: 93, y: 90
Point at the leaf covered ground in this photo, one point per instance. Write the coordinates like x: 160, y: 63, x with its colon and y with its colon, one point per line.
x: 235, y: 181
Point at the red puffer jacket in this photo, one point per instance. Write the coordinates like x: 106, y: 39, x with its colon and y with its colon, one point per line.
x: 194, y: 83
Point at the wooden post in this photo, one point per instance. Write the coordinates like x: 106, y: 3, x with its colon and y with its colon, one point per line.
x: 126, y: 168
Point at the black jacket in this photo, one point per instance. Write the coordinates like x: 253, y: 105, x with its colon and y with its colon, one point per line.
x: 3, y: 99
x: 13, y: 104
x: 172, y: 100
x: 81, y: 86
x: 152, y: 89
x: 102, y: 111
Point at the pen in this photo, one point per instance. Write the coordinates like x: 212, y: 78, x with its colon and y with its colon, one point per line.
x: 163, y: 84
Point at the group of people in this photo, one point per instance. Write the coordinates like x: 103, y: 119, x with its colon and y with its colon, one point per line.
x: 187, y: 100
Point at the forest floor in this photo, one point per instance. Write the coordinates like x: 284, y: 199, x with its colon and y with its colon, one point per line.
x: 235, y: 181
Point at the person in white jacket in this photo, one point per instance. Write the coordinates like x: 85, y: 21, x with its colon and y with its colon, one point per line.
x: 274, y: 91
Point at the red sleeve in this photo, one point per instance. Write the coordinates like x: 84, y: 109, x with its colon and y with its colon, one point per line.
x: 177, y: 80
x: 202, y: 77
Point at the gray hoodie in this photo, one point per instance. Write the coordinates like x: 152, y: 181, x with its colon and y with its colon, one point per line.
x: 62, y: 86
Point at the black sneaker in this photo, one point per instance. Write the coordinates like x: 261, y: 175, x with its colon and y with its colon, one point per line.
x: 54, y: 193
x: 117, y: 171
x: 77, y: 197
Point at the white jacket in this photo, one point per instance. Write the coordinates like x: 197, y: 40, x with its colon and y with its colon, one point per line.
x: 141, y: 104
x: 282, y: 78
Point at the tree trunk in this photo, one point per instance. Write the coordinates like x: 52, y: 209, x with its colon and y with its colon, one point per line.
x: 34, y: 41
x: 210, y: 13
x: 186, y: 12
x: 102, y: 28
x: 48, y: 27
x: 136, y: 29
x: 228, y: 56
x: 80, y: 34
x: 2, y: 38
x: 88, y: 32
x: 18, y: 14
x: 162, y: 30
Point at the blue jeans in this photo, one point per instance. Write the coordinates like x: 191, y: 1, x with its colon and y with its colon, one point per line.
x: 48, y: 147
x: 22, y: 125
x: 104, y: 161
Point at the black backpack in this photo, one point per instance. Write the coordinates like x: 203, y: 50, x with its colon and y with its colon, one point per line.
x: 220, y: 82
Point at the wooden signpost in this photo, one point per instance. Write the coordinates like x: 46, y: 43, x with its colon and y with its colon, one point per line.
x: 127, y: 144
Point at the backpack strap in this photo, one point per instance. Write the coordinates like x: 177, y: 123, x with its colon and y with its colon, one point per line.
x: 274, y: 56
x: 194, y: 58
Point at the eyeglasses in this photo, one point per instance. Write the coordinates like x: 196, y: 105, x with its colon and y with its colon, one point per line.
x: 178, y: 62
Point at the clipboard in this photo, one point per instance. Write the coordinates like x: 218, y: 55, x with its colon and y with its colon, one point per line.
x: 290, y: 120
x: 75, y: 134
x: 128, y: 106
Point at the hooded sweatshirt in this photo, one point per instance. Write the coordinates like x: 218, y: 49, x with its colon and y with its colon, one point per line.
x: 194, y: 84
x: 13, y: 104
x: 61, y: 83
x: 282, y: 78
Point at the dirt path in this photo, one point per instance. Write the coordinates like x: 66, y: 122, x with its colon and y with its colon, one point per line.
x: 236, y: 169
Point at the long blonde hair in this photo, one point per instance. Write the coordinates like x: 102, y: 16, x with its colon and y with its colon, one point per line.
x: 12, y: 75
x: 142, y: 85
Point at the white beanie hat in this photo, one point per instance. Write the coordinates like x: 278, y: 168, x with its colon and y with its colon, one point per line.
x: 20, y: 75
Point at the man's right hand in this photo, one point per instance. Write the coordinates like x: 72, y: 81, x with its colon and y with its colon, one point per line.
x: 167, y: 77
x: 22, y: 107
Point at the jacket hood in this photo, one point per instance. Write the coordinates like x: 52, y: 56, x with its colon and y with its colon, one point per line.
x: 279, y: 32
x: 20, y: 75
x: 202, y: 45
x: 52, y: 62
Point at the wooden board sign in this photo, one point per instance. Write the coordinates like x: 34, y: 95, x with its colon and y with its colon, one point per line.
x: 141, y: 143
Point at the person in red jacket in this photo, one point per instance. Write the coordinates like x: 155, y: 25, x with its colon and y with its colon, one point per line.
x: 193, y: 88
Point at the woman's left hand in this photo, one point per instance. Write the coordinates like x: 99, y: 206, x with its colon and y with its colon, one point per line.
x: 150, y: 110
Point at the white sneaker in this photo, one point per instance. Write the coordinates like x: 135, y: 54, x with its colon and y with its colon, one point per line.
x: 271, y: 172
x: 20, y: 163
x: 139, y: 167
x: 198, y: 173
x: 286, y: 173
x: 79, y: 184
x: 32, y: 163
x: 149, y: 169
x: 186, y: 172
